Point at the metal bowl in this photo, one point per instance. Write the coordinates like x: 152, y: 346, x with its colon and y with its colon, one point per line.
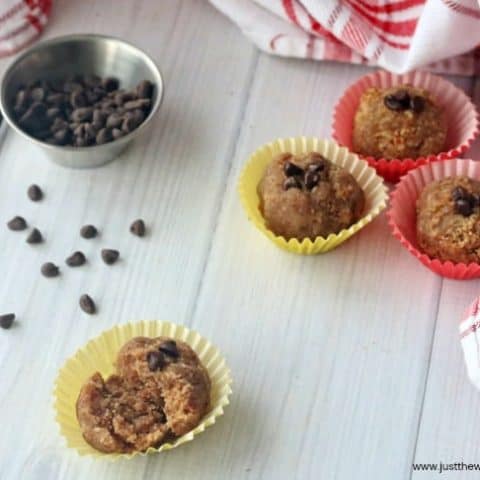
x: 81, y: 54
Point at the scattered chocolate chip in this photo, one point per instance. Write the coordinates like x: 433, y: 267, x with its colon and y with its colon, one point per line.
x: 50, y: 270
x: 76, y: 259
x: 463, y: 207
x: 138, y: 228
x: 291, y: 169
x: 417, y: 104
x: 17, y: 224
x: 34, y: 193
x: 155, y: 361
x: 87, y: 304
x: 169, y: 348
x: 6, y: 321
x: 311, y: 180
x: 88, y: 231
x: 292, y: 182
x: 110, y: 256
x: 35, y: 236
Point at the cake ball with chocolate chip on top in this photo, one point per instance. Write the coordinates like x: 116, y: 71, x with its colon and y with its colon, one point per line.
x: 398, y: 122
x: 448, y: 219
x: 307, y: 196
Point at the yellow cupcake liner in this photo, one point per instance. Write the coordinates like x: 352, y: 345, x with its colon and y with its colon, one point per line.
x: 100, y: 353
x: 372, y: 184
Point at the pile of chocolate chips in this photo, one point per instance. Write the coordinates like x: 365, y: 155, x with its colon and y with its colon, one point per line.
x: 306, y: 179
x: 82, y: 110
x: 166, y: 353
x: 401, y: 100
x: 464, y: 202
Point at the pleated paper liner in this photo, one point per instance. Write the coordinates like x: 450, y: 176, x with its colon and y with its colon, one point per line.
x: 402, y: 213
x: 372, y: 185
x: 461, y: 114
x: 100, y: 354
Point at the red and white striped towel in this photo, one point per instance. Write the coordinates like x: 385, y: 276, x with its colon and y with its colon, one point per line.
x: 21, y: 22
x: 398, y: 35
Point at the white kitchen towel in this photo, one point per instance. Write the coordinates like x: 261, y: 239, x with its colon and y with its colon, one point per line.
x: 398, y: 35
x: 21, y: 22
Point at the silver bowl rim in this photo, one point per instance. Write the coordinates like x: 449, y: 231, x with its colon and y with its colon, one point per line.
x: 80, y: 37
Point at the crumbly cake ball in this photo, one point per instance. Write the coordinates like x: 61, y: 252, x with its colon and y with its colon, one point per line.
x: 175, y: 367
x: 120, y: 417
x: 398, y: 122
x: 307, y: 196
x: 448, y: 219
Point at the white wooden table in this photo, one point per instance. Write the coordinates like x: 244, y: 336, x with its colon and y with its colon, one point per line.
x: 346, y: 366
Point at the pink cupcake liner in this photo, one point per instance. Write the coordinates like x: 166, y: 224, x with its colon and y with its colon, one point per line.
x: 402, y: 213
x: 462, y: 117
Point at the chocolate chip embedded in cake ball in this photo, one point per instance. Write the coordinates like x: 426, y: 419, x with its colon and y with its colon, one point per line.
x: 306, y: 196
x: 398, y: 123
x: 448, y: 219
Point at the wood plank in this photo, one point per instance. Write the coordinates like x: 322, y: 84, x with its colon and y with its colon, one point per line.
x: 448, y: 431
x: 330, y: 354
x: 174, y: 178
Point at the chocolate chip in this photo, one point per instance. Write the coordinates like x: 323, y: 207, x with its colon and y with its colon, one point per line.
x: 53, y: 112
x: 144, y: 89
x: 138, y: 228
x: 475, y: 199
x: 417, y: 104
x: 114, y: 120
x: 402, y: 96
x: 17, y: 224
x: 393, y: 104
x: 62, y: 137
x: 6, y: 320
x: 169, y: 348
x: 459, y: 192
x: 35, y: 236
x: 87, y: 304
x: 463, y: 207
x: 34, y: 117
x: 88, y: 231
x: 76, y: 259
x: 142, y: 103
x: 21, y: 99
x: 291, y: 169
x: 34, y: 193
x: 311, y: 180
x: 78, y: 99
x: 316, y: 167
x: 72, y: 86
x: 132, y: 120
x: 104, y: 136
x: 99, y: 117
x: 56, y: 99
x: 292, y: 182
x: 92, y: 80
x: 58, y: 124
x: 117, y: 133
x: 110, y: 256
x: 37, y: 94
x: 82, y: 114
x: 155, y: 361
x: 121, y: 97
x: 110, y: 84
x: 50, y: 270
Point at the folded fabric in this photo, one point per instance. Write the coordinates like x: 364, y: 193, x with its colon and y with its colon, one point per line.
x: 21, y: 22
x: 398, y: 35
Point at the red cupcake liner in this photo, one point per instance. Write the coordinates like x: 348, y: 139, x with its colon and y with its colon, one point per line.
x: 461, y: 114
x: 402, y: 214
